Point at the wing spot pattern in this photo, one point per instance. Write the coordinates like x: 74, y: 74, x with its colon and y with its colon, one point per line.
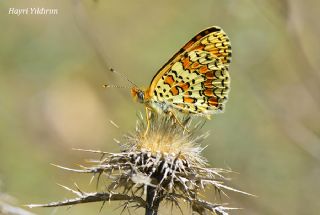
x: 169, y: 80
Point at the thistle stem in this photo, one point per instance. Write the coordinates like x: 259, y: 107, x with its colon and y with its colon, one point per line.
x: 153, y: 201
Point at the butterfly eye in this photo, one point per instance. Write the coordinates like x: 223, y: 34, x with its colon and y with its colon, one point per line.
x: 141, y: 96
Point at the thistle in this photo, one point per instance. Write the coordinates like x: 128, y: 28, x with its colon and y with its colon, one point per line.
x: 165, y: 165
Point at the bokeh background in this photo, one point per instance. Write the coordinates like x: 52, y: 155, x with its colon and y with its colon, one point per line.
x: 52, y: 69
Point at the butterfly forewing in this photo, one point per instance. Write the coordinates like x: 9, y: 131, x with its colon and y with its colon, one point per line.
x: 196, y: 79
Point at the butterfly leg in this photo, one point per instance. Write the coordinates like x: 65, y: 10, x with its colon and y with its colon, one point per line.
x: 148, y: 111
x: 178, y: 121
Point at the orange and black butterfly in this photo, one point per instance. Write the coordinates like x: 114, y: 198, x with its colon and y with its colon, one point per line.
x: 195, y: 80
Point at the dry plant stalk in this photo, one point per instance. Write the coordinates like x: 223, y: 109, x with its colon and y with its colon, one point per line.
x: 166, y: 165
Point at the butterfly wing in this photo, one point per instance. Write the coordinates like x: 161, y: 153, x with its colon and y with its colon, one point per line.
x: 196, y: 79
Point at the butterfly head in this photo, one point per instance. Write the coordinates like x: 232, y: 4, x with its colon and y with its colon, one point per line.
x: 138, y: 94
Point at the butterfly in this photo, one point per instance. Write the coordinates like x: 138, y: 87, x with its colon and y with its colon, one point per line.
x: 194, y: 81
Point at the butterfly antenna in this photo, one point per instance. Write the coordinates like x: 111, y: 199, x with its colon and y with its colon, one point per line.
x: 123, y: 76
x: 114, y: 86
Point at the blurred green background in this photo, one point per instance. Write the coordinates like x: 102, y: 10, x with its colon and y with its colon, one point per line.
x: 51, y: 96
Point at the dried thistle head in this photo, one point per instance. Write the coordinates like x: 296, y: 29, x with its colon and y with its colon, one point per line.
x: 164, y: 165
x: 166, y: 137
